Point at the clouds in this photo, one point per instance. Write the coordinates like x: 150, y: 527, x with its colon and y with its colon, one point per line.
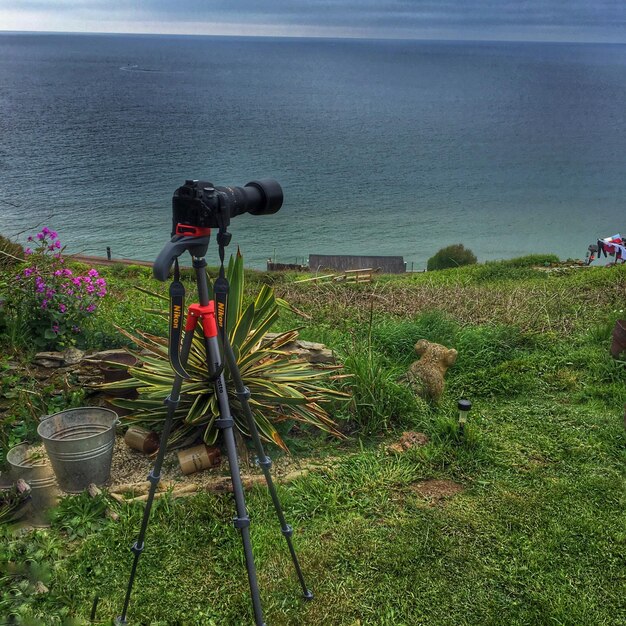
x: 602, y: 20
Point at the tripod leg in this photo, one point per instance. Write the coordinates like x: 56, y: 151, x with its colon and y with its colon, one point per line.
x: 225, y: 424
x: 243, y: 393
x: 155, y: 474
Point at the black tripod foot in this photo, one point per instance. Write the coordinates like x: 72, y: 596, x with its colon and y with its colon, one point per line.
x: 308, y: 595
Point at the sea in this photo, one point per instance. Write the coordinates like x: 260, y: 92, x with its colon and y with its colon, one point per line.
x: 382, y: 147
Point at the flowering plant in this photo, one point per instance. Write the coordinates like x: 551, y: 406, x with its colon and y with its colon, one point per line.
x: 52, y: 301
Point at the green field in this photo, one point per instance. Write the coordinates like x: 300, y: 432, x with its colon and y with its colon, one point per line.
x: 535, y: 535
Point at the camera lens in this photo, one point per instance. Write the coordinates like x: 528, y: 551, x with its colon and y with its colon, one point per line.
x: 270, y: 196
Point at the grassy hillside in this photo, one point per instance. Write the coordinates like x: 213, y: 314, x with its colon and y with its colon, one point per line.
x: 535, y: 535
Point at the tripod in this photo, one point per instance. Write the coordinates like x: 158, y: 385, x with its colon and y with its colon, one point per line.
x: 204, y: 313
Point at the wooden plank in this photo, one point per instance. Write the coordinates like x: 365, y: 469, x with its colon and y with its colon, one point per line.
x: 308, y: 280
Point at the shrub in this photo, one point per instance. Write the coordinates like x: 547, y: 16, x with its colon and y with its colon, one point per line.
x: 284, y: 389
x: 48, y: 301
x: 451, y: 256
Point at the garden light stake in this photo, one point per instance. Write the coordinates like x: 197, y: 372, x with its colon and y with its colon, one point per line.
x: 198, y: 207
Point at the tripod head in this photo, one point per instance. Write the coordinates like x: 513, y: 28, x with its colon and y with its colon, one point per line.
x: 198, y: 206
x: 197, y: 247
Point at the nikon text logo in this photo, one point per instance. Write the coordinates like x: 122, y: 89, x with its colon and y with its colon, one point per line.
x: 220, y: 314
x: 176, y: 313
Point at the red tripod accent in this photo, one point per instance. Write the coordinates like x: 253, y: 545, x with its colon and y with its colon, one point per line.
x: 205, y: 314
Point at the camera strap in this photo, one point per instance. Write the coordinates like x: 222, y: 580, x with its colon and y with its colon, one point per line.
x: 177, y: 307
x: 221, y: 286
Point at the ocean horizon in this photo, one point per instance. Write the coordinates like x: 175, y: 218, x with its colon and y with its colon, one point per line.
x: 382, y: 147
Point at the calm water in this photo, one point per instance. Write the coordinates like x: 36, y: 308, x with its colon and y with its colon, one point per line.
x: 382, y: 147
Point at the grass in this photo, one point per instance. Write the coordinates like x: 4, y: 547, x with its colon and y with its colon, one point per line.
x: 536, y: 536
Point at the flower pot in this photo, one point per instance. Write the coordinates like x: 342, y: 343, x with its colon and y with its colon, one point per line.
x: 145, y: 441
x: 618, y: 343
x: 39, y: 475
x: 198, y: 458
x: 112, y: 373
x: 79, y: 443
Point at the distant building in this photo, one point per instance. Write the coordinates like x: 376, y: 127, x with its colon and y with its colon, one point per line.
x: 343, y: 262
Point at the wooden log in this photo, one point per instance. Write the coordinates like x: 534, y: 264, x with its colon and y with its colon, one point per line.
x: 308, y: 280
x: 184, y: 489
x: 142, y: 487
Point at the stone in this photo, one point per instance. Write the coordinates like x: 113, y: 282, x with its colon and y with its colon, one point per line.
x: 49, y: 359
x: 72, y: 356
x: 105, y: 355
x: 311, y: 345
x: 40, y: 588
x: 313, y: 352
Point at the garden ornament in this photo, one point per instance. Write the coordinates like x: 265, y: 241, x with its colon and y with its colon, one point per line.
x: 426, y: 376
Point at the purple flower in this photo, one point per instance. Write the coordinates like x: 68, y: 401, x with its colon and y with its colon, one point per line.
x: 45, y: 230
x: 44, y: 304
x: 62, y: 308
x: 28, y: 251
x: 41, y: 236
x: 53, y: 234
x: 57, y: 244
x: 91, y: 308
x: 93, y: 273
x: 55, y: 328
x: 67, y: 271
x: 30, y: 238
x: 28, y: 271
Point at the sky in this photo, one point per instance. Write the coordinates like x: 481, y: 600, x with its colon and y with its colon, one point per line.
x: 526, y: 20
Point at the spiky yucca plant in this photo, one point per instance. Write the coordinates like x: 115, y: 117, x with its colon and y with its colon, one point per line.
x: 283, y: 388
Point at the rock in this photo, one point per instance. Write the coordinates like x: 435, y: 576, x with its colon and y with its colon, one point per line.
x: 310, y: 345
x: 72, y: 356
x: 106, y: 355
x: 318, y: 356
x: 310, y: 351
x: 49, y: 359
x: 40, y: 588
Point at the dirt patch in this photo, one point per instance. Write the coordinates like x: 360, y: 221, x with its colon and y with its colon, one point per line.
x: 436, y: 490
x: 408, y: 440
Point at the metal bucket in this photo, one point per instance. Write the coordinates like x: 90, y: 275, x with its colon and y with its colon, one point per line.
x: 80, y: 443
x: 40, y: 478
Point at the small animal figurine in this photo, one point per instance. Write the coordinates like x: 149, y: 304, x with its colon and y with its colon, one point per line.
x: 426, y: 376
